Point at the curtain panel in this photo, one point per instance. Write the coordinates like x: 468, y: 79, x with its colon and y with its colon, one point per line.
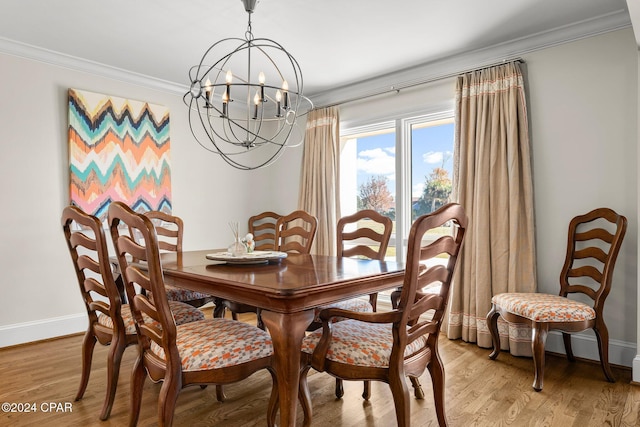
x: 319, y: 192
x: 493, y: 182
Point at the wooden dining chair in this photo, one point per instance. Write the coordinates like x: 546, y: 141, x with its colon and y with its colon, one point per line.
x: 295, y: 232
x: 212, y: 351
x: 263, y: 228
x: 364, y: 234
x: 593, y: 243
x: 170, y: 232
x: 386, y: 346
x: 369, y: 239
x: 110, y: 321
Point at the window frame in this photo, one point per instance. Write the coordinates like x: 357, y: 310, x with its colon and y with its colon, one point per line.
x: 403, y: 142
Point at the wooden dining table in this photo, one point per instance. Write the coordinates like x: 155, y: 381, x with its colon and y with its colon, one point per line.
x: 287, y: 292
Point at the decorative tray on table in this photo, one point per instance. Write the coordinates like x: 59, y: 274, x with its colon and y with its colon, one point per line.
x: 255, y: 257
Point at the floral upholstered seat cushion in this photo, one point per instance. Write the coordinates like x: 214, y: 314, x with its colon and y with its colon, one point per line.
x: 180, y: 294
x: 354, y: 304
x: 216, y: 343
x: 182, y: 313
x: 360, y: 343
x: 544, y: 307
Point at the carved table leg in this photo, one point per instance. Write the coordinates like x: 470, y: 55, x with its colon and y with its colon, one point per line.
x: 287, y: 332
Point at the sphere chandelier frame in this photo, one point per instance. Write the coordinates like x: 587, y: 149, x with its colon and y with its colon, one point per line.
x: 231, y: 114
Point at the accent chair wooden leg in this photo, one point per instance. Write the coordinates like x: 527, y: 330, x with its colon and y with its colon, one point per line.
x: 538, y: 338
x: 272, y: 408
x: 167, y: 400
x: 566, y: 338
x: 492, y: 324
x: 401, y: 401
x: 436, y: 370
x: 220, y: 396
x: 137, y: 383
x: 118, y: 345
x: 219, y: 308
x: 339, y: 388
x: 417, y: 387
x: 305, y: 397
x: 366, y: 392
x: 88, y: 345
x: 259, y: 322
x: 602, y: 335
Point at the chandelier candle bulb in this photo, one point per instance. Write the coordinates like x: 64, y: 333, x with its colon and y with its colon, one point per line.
x: 229, y: 80
x: 256, y: 101
x: 225, y: 102
x: 285, y: 89
x: 261, y: 80
x: 208, y: 92
x: 278, y: 99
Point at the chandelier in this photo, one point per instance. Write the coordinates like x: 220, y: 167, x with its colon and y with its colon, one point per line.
x: 245, y: 97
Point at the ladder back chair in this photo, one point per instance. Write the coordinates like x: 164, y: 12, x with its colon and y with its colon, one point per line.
x: 170, y: 232
x: 295, y: 232
x: 211, y: 351
x: 593, y: 244
x: 387, y: 346
x: 110, y: 321
x: 365, y: 234
x: 263, y: 228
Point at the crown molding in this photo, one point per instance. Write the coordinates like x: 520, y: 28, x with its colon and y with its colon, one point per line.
x: 471, y: 60
x: 23, y: 50
x: 424, y: 73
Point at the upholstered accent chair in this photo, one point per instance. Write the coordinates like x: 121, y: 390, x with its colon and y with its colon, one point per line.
x: 593, y: 243
x: 212, y: 351
x: 387, y: 346
x: 110, y: 320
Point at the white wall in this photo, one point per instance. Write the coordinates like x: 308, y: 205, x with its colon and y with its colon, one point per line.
x: 584, y: 130
x: 583, y: 122
x: 584, y: 116
x: 39, y: 295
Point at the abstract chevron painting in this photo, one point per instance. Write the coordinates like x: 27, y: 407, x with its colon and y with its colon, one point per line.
x: 118, y: 151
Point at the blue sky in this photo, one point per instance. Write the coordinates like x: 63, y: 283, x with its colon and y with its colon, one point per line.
x: 432, y: 146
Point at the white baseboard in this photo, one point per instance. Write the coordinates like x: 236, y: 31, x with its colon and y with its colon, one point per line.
x: 585, y: 346
x: 635, y: 368
x: 21, y: 333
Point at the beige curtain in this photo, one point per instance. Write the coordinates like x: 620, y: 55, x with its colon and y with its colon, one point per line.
x: 493, y: 182
x: 319, y: 193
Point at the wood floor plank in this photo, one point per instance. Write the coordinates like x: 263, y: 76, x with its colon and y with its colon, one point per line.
x: 480, y: 392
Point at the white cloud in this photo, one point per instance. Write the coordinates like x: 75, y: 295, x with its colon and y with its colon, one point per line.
x: 432, y: 157
x: 417, y: 190
x: 377, y: 161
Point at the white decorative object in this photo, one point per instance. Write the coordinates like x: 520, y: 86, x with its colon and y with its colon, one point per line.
x: 249, y: 242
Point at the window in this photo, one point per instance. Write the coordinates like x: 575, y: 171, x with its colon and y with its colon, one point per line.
x: 401, y: 168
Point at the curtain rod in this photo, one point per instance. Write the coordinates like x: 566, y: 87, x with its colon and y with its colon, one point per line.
x: 397, y: 89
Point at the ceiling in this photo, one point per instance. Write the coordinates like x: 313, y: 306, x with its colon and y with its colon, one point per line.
x: 336, y: 42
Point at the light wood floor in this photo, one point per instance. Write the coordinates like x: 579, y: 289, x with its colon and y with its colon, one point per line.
x: 480, y: 392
